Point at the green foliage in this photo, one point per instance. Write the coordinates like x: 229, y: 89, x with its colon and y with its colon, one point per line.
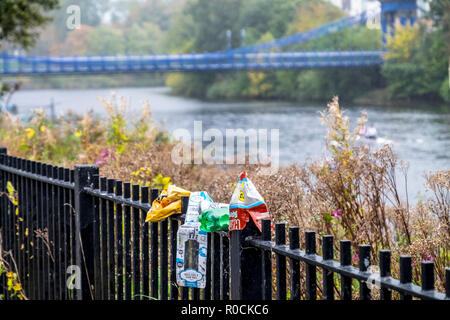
x: 134, y: 27
x: 116, y: 133
x: 356, y: 38
x: 4, y: 88
x: 404, y: 79
x: 145, y: 38
x: 420, y: 70
x: 316, y: 84
x: 440, y: 13
x: 19, y: 20
x: 203, y: 25
x: 183, y: 26
x: 106, y: 40
x: 13, y: 288
x: 261, y: 16
x: 19, y: 23
x: 212, y: 19
x: 445, y: 90
x: 156, y: 12
x: 349, y: 84
x: 419, y: 62
x: 228, y: 86
x: 194, y: 85
x: 74, y: 139
x: 161, y: 182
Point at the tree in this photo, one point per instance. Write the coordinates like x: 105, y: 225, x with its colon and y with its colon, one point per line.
x: 212, y: 19
x: 143, y: 38
x: 207, y: 24
x: 106, y: 40
x: 20, y: 20
x: 76, y: 42
x: 319, y: 84
x: 157, y: 12
x: 404, y: 44
x: 440, y: 13
x: 312, y: 14
x: 417, y: 64
x: 202, y: 25
x: 19, y: 23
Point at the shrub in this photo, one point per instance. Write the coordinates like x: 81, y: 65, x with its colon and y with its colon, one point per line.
x: 352, y: 193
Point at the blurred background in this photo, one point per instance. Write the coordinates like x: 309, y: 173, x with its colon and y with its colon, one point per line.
x: 406, y: 97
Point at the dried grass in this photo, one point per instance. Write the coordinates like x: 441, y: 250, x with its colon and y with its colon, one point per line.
x: 352, y: 194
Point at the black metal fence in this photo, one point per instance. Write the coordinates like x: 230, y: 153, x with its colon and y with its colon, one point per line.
x: 39, y: 229
x: 75, y: 235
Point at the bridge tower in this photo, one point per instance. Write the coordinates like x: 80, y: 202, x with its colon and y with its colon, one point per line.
x: 396, y: 12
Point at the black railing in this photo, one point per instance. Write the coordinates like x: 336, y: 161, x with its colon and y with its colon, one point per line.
x: 73, y: 223
x: 75, y: 235
x: 406, y: 289
x: 140, y: 261
x: 37, y: 224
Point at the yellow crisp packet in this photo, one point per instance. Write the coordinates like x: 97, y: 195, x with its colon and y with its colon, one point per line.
x: 168, y: 203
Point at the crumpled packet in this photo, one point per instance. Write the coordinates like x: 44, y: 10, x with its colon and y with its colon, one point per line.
x: 214, y: 219
x: 168, y: 203
x: 247, y: 202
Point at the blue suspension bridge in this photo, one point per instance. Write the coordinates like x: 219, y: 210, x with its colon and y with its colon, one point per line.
x: 253, y: 57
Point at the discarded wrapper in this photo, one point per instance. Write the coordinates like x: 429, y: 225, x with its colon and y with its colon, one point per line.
x: 215, y: 219
x: 246, y: 202
x: 168, y: 203
x: 192, y: 245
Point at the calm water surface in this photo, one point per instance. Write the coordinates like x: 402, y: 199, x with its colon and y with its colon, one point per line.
x: 421, y: 134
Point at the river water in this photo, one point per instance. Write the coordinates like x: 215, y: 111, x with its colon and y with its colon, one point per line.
x: 420, y: 134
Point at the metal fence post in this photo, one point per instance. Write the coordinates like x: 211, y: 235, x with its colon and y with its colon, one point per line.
x: 3, y: 220
x: 3, y: 153
x: 3, y: 201
x: 84, y: 229
x: 245, y: 265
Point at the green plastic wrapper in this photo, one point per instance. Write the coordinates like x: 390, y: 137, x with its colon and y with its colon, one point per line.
x: 213, y: 220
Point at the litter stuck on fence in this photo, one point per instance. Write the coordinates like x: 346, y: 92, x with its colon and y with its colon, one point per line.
x: 72, y: 234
